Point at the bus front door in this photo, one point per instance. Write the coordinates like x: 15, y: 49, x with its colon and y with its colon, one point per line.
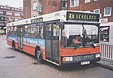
x: 52, y: 42
x: 20, y: 38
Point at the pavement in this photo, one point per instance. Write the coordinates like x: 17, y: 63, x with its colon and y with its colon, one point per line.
x: 106, y: 63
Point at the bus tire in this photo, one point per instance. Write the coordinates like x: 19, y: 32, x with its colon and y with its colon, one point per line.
x: 13, y: 45
x: 39, y: 56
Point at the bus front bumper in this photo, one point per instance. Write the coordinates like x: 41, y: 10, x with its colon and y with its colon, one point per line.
x: 81, y: 59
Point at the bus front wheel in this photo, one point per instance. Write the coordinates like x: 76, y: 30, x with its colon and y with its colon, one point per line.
x: 39, y: 56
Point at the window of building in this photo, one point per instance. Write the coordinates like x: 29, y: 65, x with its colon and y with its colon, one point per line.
x: 97, y: 11
x: 34, y: 5
x: 74, y: 3
x: 86, y: 1
x: 107, y: 11
x: 10, y: 19
x: 16, y: 19
x: 17, y: 14
x: 2, y: 24
x: 2, y: 7
x: 12, y: 8
x: 2, y: 18
x: 1, y: 12
x: 21, y: 10
x: 64, y: 4
x: 5, y: 7
x: 8, y: 13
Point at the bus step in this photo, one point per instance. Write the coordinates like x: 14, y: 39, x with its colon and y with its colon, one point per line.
x: 52, y: 62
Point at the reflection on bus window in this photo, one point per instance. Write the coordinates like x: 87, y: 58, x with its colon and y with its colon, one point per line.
x: 56, y: 31
x: 104, y: 34
x: 48, y: 31
x: 33, y: 30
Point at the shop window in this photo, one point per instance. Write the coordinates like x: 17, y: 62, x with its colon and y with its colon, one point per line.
x: 104, y: 34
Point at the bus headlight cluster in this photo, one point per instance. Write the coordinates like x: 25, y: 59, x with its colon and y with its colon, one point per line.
x: 96, y: 44
x: 66, y: 59
x: 97, y: 55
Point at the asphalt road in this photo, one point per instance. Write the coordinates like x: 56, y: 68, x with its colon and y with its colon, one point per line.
x: 16, y: 64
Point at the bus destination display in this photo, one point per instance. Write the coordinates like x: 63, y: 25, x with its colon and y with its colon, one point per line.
x: 77, y: 16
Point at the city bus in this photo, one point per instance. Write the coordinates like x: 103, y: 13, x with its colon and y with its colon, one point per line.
x: 50, y: 37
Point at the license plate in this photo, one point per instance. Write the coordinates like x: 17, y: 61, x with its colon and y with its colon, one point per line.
x: 85, y: 62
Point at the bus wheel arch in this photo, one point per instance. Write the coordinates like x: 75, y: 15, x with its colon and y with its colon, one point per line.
x: 38, y: 54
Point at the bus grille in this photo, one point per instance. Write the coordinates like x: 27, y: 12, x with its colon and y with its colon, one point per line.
x: 83, y: 57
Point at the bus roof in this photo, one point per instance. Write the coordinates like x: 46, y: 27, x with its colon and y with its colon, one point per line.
x: 63, y: 15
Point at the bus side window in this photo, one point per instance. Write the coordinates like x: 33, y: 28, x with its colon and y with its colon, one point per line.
x: 37, y: 31
x: 41, y: 31
x: 48, y: 31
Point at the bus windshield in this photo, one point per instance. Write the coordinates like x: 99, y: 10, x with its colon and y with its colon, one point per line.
x: 83, y: 35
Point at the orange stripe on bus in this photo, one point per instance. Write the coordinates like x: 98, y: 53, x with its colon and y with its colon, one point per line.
x: 9, y: 42
x: 16, y: 45
x: 29, y: 49
x: 78, y: 51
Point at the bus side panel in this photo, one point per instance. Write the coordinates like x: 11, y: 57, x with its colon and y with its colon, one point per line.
x: 30, y: 49
x: 16, y: 45
x: 9, y: 42
x: 44, y: 53
x: 79, y: 51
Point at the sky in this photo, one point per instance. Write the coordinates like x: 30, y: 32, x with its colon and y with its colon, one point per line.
x: 12, y: 3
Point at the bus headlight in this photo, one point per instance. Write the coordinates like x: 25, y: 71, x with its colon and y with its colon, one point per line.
x: 96, y: 44
x: 66, y: 59
x: 97, y: 55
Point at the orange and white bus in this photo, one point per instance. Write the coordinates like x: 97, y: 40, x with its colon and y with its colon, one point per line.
x: 51, y: 37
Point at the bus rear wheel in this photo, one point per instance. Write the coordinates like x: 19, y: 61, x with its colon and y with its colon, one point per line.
x: 39, y: 56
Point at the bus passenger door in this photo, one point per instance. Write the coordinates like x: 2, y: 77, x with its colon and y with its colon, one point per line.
x: 20, y: 37
x: 52, y: 42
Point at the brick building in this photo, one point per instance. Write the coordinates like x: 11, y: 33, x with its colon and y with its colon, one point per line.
x: 40, y: 7
x: 9, y: 14
x: 50, y: 6
x: 33, y: 8
x: 104, y: 7
x: 27, y: 8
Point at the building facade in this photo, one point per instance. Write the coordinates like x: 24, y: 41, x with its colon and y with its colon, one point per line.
x: 50, y: 6
x: 104, y: 7
x: 40, y: 7
x: 33, y: 8
x: 9, y: 14
x: 27, y: 8
x: 36, y: 8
